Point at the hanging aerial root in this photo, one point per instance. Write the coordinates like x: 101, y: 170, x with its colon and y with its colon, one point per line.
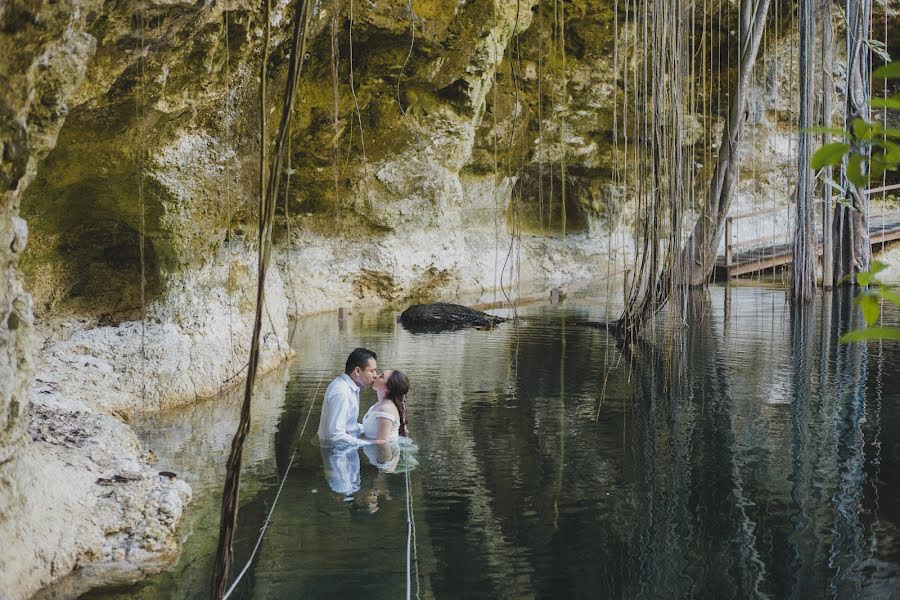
x: 268, y: 195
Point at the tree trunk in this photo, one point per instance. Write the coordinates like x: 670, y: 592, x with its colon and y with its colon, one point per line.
x: 827, y: 91
x: 699, y: 254
x: 852, y: 252
x: 661, y: 243
x: 803, y: 268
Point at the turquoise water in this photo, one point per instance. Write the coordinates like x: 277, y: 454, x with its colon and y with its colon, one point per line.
x: 752, y: 456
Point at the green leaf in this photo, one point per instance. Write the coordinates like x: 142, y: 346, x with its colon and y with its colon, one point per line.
x: 877, y: 267
x: 877, y: 165
x: 888, y: 71
x: 891, y: 132
x: 854, y: 170
x: 892, y: 102
x: 862, y: 129
x: 869, y: 304
x: 871, y: 333
x: 829, y: 155
x: 892, y: 158
x: 863, y: 278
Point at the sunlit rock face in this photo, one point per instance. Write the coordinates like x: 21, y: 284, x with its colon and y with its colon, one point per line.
x: 143, y: 255
x: 452, y: 102
x: 434, y: 100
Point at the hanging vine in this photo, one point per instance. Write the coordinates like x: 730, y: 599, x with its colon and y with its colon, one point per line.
x: 661, y: 203
x: 700, y: 250
x: 269, y: 183
x: 852, y: 252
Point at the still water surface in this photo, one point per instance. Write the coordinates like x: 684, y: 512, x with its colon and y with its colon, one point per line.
x: 751, y: 457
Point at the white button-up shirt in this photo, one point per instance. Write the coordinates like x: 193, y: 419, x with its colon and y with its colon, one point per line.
x: 338, y: 423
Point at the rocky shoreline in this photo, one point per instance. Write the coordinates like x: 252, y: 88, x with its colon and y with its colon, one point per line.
x: 104, y: 511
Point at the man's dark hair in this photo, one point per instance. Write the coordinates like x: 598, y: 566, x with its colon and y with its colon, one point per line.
x: 359, y: 358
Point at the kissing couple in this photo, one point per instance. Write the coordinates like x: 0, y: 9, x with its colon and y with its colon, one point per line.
x: 384, y: 423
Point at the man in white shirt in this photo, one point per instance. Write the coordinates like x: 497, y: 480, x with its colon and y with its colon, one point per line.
x: 339, y: 421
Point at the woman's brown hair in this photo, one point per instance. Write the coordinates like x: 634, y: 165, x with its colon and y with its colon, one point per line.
x: 397, y: 387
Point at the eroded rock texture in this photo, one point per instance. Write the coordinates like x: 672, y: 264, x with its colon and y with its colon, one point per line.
x: 42, y: 61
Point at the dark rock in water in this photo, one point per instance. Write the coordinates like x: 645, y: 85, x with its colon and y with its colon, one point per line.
x: 441, y: 316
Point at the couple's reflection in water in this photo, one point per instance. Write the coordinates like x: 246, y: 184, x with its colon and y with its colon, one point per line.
x: 364, y: 484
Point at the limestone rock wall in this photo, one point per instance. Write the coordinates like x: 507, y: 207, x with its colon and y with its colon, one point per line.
x: 143, y: 260
x: 43, y: 60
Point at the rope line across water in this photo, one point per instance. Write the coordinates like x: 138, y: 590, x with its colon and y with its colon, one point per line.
x: 409, y: 531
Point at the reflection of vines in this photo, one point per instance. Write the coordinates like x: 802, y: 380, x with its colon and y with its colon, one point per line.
x: 848, y: 450
x: 665, y: 440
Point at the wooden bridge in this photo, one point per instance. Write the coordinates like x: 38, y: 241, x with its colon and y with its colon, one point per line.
x: 746, y: 252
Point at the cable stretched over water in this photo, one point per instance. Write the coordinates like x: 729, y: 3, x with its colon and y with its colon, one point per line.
x: 410, y: 534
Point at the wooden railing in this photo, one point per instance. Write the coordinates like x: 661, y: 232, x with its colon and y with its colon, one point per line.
x: 730, y: 225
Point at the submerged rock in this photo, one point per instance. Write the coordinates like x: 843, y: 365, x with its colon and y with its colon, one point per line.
x: 442, y: 316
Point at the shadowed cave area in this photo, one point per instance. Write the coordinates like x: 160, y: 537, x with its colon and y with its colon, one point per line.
x: 538, y: 198
x: 85, y: 253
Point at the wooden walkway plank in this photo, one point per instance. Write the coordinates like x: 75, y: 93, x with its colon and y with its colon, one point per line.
x: 883, y: 228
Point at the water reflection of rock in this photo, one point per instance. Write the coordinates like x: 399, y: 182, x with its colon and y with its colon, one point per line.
x: 194, y: 442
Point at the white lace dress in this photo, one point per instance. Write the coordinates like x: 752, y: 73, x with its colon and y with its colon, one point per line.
x: 370, y: 424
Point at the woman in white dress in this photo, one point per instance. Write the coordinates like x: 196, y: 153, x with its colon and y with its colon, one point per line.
x: 386, y: 420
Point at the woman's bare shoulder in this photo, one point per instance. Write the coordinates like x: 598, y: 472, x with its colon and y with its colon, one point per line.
x: 389, y: 407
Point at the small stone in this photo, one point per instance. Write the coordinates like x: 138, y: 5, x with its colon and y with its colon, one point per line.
x: 129, y: 468
x: 20, y: 235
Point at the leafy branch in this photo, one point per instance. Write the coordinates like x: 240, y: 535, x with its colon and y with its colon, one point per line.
x: 870, y: 149
x: 870, y: 300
